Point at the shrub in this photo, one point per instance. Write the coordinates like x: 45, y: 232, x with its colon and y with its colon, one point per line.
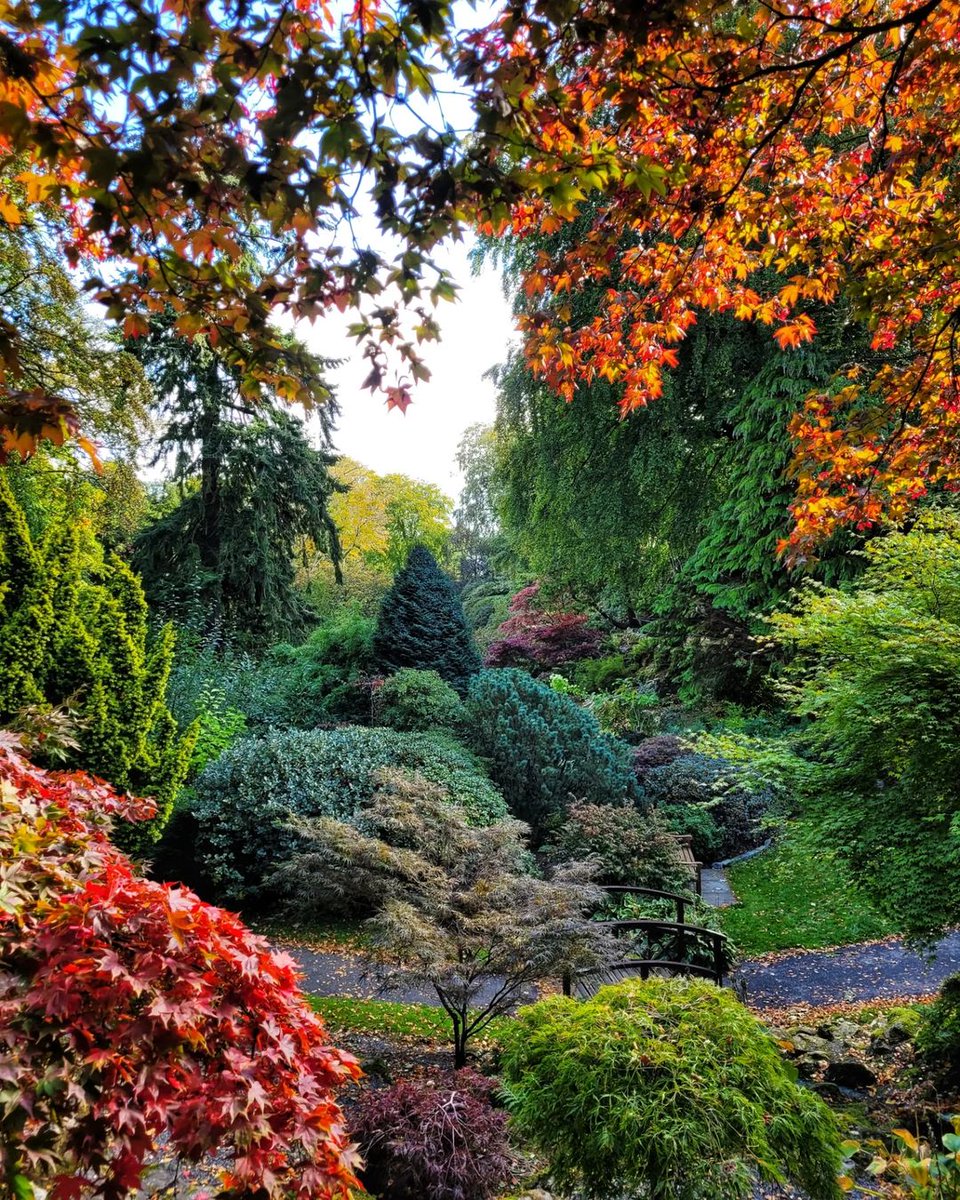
x: 174, y: 1025
x: 245, y: 799
x: 713, y: 800
x: 656, y: 751
x: 628, y: 710
x: 417, y: 701
x: 668, y: 1089
x: 544, y: 750
x: 421, y: 624
x: 436, y: 1140
x: 74, y: 634
x: 486, y: 606
x: 538, y: 639
x: 458, y: 909
x: 300, y: 687
x: 938, y: 1039
x: 877, y: 667
x: 631, y: 847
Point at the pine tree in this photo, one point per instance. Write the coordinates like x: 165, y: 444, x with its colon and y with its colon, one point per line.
x: 73, y: 631
x: 422, y: 625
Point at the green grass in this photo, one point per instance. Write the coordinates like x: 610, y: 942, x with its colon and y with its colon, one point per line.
x: 347, y: 932
x: 387, y: 1017
x: 798, y: 895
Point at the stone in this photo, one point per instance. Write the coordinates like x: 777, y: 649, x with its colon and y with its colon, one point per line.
x: 850, y: 1073
x: 810, y: 1043
x: 828, y: 1091
x: 809, y: 1065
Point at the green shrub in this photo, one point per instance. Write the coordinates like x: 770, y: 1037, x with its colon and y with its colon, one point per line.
x: 877, y: 667
x: 667, y: 1089
x: 543, y: 750
x: 632, y: 847
x: 74, y: 635
x: 244, y: 800
x: 627, y: 711
x: 300, y: 687
x: 938, y: 1039
x: 418, y: 701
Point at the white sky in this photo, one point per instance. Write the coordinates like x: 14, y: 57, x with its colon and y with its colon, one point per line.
x: 476, y: 330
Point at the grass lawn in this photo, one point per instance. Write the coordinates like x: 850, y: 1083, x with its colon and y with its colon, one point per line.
x: 798, y: 895
x: 387, y: 1017
x: 346, y: 932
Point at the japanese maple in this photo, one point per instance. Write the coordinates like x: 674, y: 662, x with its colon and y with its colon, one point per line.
x: 131, y: 1011
x: 539, y: 638
x: 756, y: 162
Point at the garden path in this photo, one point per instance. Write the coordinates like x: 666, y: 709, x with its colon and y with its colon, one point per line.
x: 715, y: 888
x: 851, y: 974
x: 860, y: 973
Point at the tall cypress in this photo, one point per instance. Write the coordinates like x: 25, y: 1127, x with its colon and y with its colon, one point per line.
x: 422, y: 625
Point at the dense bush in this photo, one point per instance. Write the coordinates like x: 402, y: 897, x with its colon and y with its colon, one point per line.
x: 540, y: 639
x: 486, y: 606
x: 629, y: 711
x: 436, y: 1140
x: 421, y: 624
x: 877, y: 667
x: 712, y: 800
x: 667, y: 1089
x: 938, y: 1039
x: 74, y: 632
x: 417, y: 701
x: 245, y: 799
x: 543, y: 749
x: 603, y: 674
x: 303, y: 686
x: 631, y: 847
x: 656, y: 751
x: 174, y: 1027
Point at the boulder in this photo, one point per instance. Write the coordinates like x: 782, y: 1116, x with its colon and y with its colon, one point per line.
x: 850, y: 1073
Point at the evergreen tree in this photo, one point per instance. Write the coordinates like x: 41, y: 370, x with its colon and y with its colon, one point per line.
x: 251, y: 488
x: 422, y: 625
x: 73, y: 633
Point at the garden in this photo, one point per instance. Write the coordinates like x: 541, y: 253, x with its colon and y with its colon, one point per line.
x: 591, y: 834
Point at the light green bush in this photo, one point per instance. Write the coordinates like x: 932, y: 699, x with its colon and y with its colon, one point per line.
x: 417, y: 701
x: 245, y: 799
x: 667, y: 1090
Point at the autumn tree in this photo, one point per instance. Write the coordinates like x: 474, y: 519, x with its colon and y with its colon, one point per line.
x: 133, y: 1017
x: 458, y: 909
x: 809, y: 142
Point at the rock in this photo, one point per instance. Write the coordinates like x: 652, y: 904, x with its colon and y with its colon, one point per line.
x: 895, y: 1034
x: 536, y: 1194
x: 809, y: 1065
x: 839, y: 1031
x: 828, y: 1091
x: 849, y: 1073
x: 810, y: 1043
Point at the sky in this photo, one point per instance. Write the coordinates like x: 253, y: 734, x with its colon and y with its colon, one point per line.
x: 476, y: 331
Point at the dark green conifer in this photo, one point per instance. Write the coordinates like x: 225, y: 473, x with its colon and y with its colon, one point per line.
x: 422, y: 625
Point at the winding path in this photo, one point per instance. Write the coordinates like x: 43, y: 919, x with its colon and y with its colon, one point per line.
x: 850, y: 974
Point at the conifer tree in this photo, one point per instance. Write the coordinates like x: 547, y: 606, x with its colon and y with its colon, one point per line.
x: 251, y: 485
x: 422, y: 625
x: 73, y: 631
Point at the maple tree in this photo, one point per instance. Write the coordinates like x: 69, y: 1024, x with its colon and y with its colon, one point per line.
x: 130, y: 1010
x: 541, y: 639
x: 812, y: 141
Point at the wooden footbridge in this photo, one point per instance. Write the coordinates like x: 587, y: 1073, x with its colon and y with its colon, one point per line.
x: 655, y: 947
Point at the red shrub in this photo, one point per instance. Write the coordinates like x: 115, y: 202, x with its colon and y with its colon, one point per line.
x: 533, y: 638
x: 441, y: 1140
x: 130, y: 1010
x: 657, y: 751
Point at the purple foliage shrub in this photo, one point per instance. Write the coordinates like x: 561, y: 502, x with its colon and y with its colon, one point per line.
x: 436, y: 1140
x: 539, y: 640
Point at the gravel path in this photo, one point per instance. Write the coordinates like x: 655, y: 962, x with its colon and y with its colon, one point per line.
x: 851, y: 974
